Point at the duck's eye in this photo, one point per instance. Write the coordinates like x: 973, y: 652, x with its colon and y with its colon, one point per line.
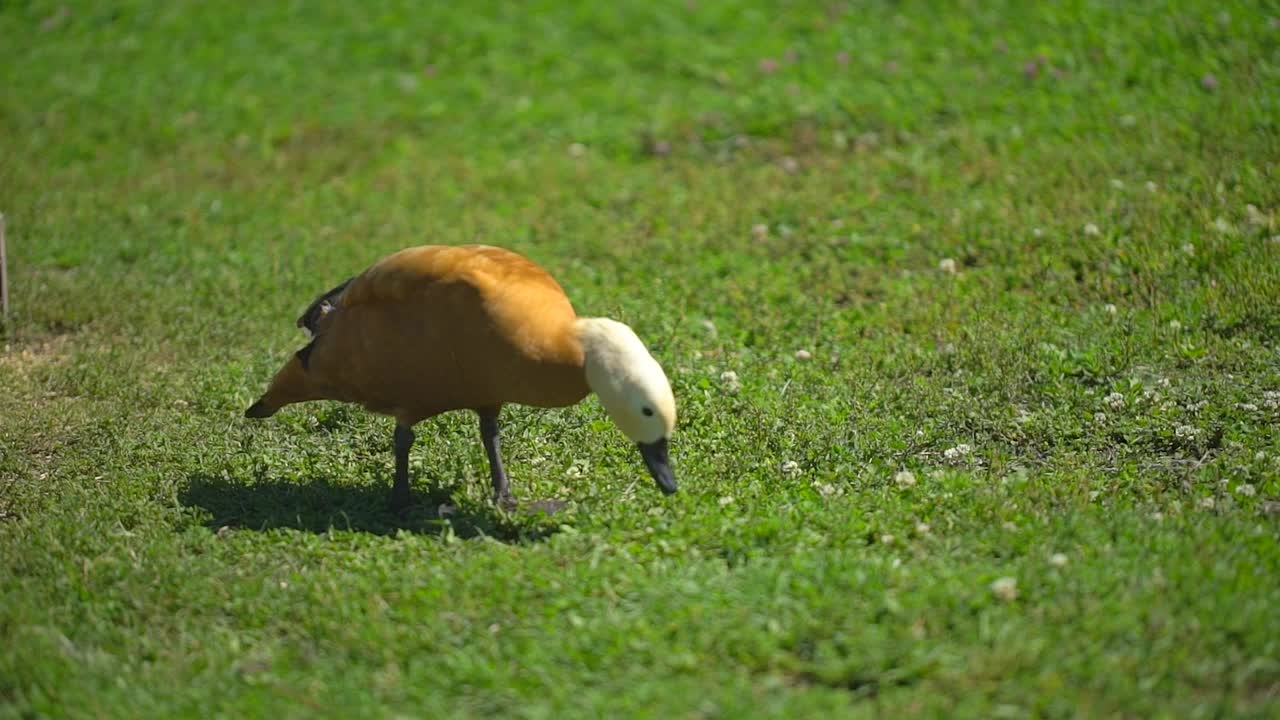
x: 648, y: 411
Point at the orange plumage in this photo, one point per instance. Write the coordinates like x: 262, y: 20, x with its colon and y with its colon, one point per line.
x: 432, y: 329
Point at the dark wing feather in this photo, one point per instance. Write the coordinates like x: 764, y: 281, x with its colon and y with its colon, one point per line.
x: 323, y: 305
x: 310, y: 319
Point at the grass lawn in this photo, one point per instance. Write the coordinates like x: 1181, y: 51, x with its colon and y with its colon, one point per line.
x: 1027, y: 464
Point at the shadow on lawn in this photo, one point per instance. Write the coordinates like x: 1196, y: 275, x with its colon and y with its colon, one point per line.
x: 316, y: 504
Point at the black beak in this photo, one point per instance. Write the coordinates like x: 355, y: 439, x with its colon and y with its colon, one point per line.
x: 655, y: 458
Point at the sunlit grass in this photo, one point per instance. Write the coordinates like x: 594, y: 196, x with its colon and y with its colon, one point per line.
x: 971, y: 313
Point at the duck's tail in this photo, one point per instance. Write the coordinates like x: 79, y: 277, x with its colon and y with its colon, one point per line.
x: 291, y: 385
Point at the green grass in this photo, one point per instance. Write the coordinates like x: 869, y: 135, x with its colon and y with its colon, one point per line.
x: 180, y: 179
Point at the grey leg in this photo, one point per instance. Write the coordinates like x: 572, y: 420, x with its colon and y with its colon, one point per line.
x: 400, y: 490
x: 489, y: 434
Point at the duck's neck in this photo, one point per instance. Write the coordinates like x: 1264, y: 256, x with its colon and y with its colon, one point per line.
x: 608, y: 349
x: 601, y: 339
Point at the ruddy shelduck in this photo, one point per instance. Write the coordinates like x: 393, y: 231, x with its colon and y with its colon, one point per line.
x: 438, y: 328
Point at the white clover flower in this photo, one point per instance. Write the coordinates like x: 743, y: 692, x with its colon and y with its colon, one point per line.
x: 957, y: 453
x: 1152, y: 187
x: 1005, y: 588
x: 577, y: 150
x: 1247, y: 407
x: 804, y: 355
x: 1207, y: 503
x: 790, y: 467
x: 1175, y: 325
x: 1189, y: 248
x: 887, y: 539
x: 1110, y: 309
x: 947, y: 265
x: 1271, y: 398
x: 1058, y: 560
x: 826, y: 489
x: 1115, y: 400
x: 1099, y: 417
x: 1223, y: 226
x: 905, y: 478
x: 922, y: 528
x: 1185, y: 431
x: 1037, y: 232
x: 1246, y: 490
x: 729, y: 379
x: 760, y: 231
x: 1256, y: 216
x: 1091, y: 229
x: 726, y: 500
x: 1117, y: 183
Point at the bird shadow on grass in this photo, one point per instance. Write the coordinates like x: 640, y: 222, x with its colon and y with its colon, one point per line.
x: 317, y: 504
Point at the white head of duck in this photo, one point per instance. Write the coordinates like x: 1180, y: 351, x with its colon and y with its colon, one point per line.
x: 633, y: 390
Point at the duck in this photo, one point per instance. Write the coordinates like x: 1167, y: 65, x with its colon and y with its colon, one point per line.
x: 440, y: 328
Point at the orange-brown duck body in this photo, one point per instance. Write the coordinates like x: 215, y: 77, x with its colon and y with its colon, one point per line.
x: 432, y: 329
